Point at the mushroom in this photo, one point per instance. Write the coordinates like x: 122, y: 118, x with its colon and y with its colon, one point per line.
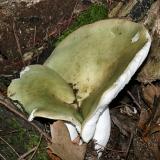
x: 83, y: 75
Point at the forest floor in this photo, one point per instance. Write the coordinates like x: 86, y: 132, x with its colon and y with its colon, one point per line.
x: 28, y: 35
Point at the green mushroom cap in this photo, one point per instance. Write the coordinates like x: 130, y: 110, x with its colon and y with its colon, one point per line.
x: 95, y: 56
x: 94, y: 59
x: 44, y: 93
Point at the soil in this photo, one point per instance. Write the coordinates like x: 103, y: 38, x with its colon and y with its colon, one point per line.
x: 23, y: 28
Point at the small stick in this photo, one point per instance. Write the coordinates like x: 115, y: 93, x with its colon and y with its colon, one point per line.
x: 34, y: 36
x: 36, y: 148
x: 129, y: 146
x: 110, y: 149
x: 27, y: 153
x: 10, y: 146
x: 134, y: 100
x: 114, y: 150
x: 71, y: 17
x: 17, y: 42
x: 139, y: 99
x: 2, y: 157
x: 8, y: 132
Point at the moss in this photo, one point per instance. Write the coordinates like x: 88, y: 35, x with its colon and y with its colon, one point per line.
x: 21, y: 136
x: 41, y: 152
x: 94, y: 13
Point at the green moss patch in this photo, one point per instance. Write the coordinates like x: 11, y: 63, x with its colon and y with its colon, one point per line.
x: 94, y: 13
x: 20, y: 136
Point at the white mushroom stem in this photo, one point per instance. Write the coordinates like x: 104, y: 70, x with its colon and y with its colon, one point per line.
x: 89, y: 129
x: 72, y: 130
x: 102, y: 132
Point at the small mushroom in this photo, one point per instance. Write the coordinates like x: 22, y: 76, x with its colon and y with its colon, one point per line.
x: 98, y: 60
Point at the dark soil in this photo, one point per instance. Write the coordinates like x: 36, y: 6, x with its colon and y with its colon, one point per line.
x: 23, y: 28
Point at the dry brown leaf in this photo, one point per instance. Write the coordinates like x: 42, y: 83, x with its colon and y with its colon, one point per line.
x: 150, y: 92
x: 155, y: 128
x: 144, y: 119
x: 150, y: 71
x: 125, y: 123
x: 62, y: 144
x: 51, y: 155
x: 153, y: 144
x: 150, y: 118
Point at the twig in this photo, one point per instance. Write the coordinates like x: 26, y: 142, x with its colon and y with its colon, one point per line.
x: 34, y: 36
x: 59, y: 27
x: 36, y: 148
x: 139, y: 99
x: 114, y: 150
x: 2, y: 157
x: 134, y: 100
x: 27, y: 153
x: 11, y: 106
x: 8, y: 132
x: 10, y: 146
x: 17, y: 42
x: 129, y: 146
x: 70, y: 19
x: 110, y: 149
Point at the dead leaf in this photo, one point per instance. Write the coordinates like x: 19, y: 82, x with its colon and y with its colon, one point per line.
x: 62, y: 144
x: 149, y: 93
x: 155, y: 128
x: 150, y: 118
x: 153, y: 144
x: 150, y: 71
x: 125, y: 123
x: 51, y: 155
x: 144, y: 119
